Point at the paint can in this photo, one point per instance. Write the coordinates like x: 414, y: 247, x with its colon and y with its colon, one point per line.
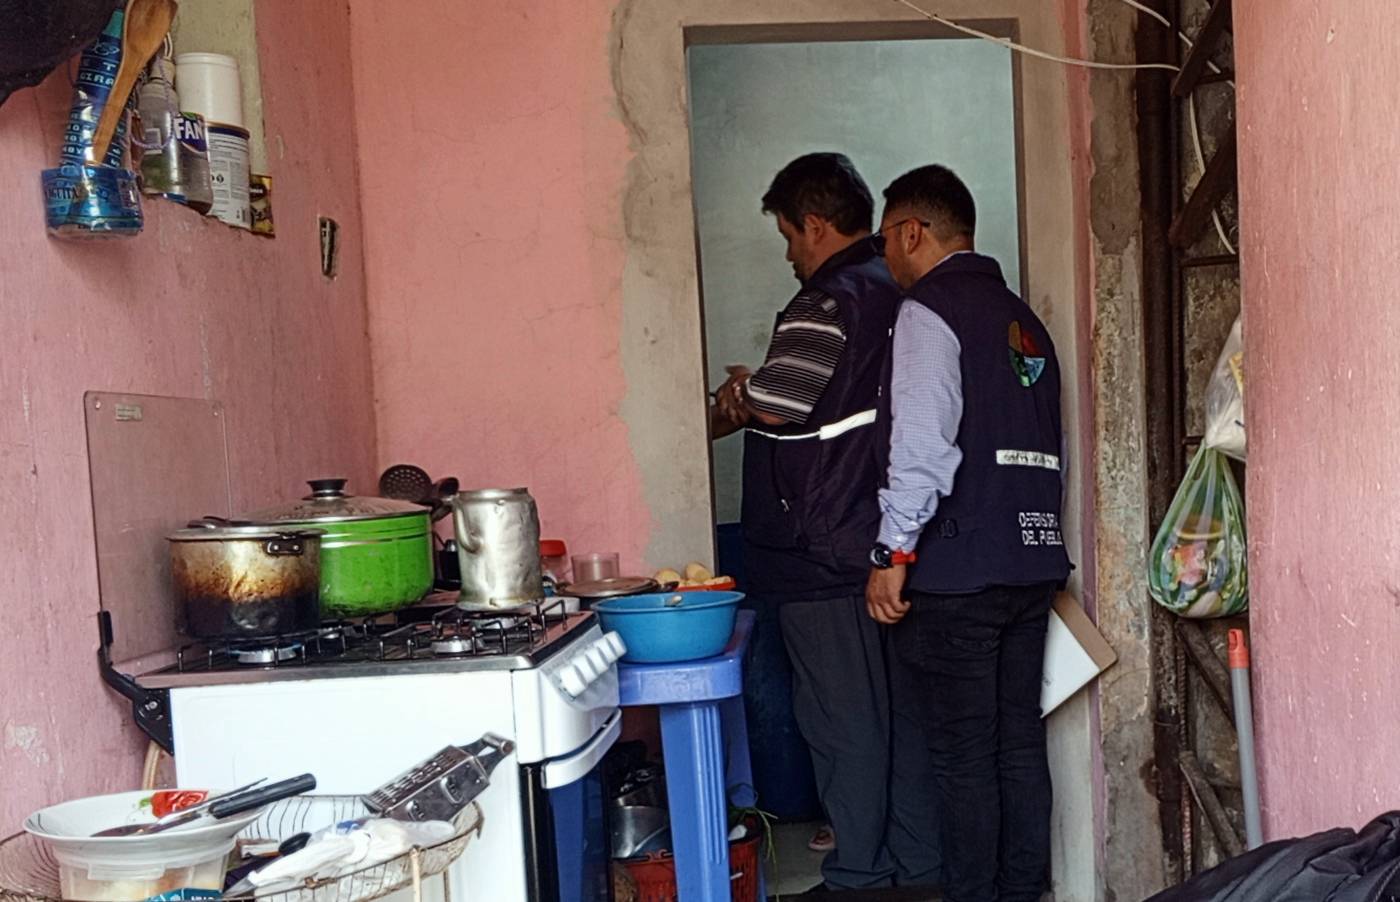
x: 208, y: 84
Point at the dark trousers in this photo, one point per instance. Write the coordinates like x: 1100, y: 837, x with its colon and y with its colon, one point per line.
x: 879, y: 802
x: 980, y: 658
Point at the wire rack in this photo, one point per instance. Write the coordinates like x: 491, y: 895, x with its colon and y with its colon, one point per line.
x: 29, y: 872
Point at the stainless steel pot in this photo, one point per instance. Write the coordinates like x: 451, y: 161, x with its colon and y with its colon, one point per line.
x: 238, y: 581
x: 498, y: 548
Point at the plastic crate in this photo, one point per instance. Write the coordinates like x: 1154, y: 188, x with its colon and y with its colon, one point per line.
x: 655, y: 874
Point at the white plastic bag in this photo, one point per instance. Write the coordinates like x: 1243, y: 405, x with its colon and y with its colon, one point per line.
x: 1225, y: 398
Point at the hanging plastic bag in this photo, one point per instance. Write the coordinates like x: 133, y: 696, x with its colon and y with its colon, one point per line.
x: 1197, y: 567
x: 1225, y: 398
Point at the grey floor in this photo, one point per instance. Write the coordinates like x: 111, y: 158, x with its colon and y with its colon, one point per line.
x: 794, y: 869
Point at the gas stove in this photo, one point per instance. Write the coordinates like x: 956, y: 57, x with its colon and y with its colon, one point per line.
x: 433, y: 636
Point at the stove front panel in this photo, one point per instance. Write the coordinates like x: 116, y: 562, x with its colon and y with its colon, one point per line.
x: 354, y: 735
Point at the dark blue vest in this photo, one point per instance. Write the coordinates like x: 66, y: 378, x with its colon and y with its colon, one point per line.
x: 811, y: 510
x: 1001, y: 525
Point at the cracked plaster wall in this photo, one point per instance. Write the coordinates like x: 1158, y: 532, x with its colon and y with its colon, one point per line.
x: 1319, y: 221
x: 531, y: 257
x: 190, y: 308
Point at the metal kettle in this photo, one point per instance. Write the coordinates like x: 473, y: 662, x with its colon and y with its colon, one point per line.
x: 498, y: 548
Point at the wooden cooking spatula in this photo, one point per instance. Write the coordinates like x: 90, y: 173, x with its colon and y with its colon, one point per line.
x: 143, y: 32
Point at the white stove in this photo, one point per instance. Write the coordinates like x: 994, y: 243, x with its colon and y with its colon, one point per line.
x: 357, y: 703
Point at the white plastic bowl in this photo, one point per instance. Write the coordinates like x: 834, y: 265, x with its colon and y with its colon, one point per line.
x: 132, y: 868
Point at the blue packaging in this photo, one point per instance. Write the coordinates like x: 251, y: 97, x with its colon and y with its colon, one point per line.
x: 97, y: 72
x: 91, y: 202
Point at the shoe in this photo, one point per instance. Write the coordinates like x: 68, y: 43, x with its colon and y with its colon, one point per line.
x: 824, y: 840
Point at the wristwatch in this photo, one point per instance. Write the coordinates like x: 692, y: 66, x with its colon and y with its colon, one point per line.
x: 882, y: 557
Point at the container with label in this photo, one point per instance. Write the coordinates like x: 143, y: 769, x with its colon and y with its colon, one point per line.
x: 91, y: 202
x: 174, y: 153
x: 97, y: 72
x: 208, y: 84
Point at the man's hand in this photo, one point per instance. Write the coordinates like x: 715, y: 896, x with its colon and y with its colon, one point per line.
x: 884, y: 594
x: 730, y: 396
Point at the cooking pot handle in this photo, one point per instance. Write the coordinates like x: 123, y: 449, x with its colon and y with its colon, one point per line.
x: 285, y: 546
x: 471, y: 542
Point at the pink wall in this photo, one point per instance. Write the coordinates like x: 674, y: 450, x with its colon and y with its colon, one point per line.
x: 492, y: 163
x: 189, y: 308
x: 1318, y: 103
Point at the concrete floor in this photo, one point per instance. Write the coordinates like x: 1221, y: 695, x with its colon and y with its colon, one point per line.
x: 794, y: 869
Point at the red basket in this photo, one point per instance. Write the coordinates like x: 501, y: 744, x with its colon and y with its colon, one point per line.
x: 655, y: 875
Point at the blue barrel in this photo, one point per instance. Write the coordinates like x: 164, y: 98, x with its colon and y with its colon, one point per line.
x: 781, y: 762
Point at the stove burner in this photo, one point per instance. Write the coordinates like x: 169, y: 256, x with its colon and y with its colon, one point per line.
x: 434, y: 629
x: 272, y: 655
x: 455, y: 645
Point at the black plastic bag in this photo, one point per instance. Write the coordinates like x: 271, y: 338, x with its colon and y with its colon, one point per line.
x: 37, y: 35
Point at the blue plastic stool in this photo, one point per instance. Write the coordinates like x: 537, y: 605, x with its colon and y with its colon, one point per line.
x: 706, y: 745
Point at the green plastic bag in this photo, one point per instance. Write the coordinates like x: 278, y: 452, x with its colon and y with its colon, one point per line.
x: 1197, y: 565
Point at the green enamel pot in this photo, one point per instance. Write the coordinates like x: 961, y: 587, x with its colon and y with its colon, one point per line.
x: 376, y: 553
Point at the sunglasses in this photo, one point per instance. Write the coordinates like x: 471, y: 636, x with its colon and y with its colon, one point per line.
x: 877, y: 240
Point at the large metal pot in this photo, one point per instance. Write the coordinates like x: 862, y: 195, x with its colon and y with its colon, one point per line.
x: 498, y: 548
x: 376, y: 554
x: 242, y: 581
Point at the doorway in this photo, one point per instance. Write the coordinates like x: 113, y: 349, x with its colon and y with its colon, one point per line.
x: 889, y: 105
x: 756, y: 103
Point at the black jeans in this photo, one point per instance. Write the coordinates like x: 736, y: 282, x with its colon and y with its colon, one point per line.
x: 980, y: 658
x: 882, y: 809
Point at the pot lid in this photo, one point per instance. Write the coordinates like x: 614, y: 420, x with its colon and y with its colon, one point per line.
x: 329, y: 503
x: 612, y: 587
x: 214, y: 529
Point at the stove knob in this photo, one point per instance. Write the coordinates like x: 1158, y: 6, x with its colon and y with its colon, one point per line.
x: 615, y: 642
x: 601, y: 647
x: 588, y: 668
x: 599, y: 659
x: 573, y: 681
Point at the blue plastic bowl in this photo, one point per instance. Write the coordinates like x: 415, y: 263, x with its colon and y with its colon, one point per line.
x: 698, y: 627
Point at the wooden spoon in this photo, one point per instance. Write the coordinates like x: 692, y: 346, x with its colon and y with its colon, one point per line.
x: 143, y: 33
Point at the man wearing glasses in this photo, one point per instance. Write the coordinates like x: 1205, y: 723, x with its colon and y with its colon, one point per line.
x: 970, y: 554
x: 810, y: 513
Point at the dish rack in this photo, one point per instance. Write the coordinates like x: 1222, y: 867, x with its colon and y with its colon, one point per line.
x: 29, y: 871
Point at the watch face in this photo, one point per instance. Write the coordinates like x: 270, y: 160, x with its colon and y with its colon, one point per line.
x: 881, y: 557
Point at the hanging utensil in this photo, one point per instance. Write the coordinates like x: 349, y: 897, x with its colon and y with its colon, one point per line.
x: 143, y: 33
x: 442, y: 493
x: 405, y: 482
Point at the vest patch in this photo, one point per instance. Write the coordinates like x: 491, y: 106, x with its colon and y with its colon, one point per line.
x: 1026, y: 359
x: 1028, y: 459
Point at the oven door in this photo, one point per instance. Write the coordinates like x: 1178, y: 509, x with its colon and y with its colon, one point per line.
x: 566, y: 824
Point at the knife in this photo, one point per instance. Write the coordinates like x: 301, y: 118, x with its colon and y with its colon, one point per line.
x: 142, y: 829
x: 245, y: 801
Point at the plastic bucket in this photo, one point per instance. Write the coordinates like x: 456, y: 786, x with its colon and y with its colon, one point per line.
x: 208, y: 84
x: 669, y: 627
x: 131, y: 868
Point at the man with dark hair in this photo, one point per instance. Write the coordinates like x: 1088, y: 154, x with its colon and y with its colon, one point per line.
x: 970, y: 553
x: 810, y: 511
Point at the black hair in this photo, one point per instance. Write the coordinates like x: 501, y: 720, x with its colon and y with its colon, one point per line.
x: 938, y: 195
x: 825, y: 185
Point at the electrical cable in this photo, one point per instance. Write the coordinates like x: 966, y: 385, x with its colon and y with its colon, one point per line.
x: 1094, y: 64
x: 1031, y: 51
x: 1192, y: 118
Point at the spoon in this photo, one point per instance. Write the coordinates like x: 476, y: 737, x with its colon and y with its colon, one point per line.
x: 143, y: 33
